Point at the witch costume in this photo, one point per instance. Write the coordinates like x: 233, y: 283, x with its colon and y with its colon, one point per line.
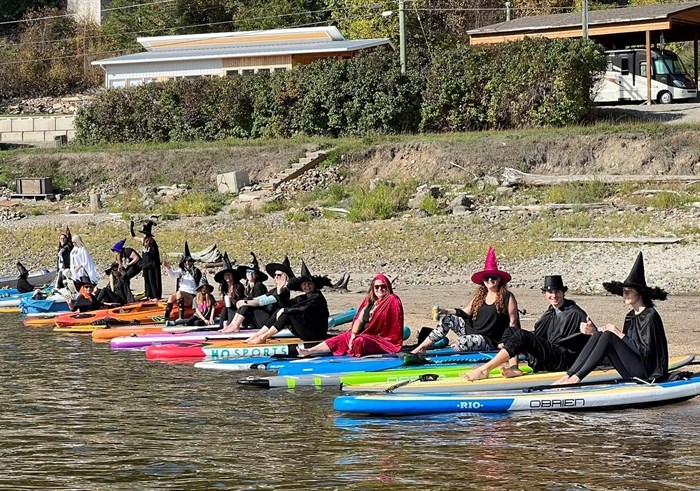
x: 483, y: 330
x: 381, y: 328
x: 258, y: 287
x: 129, y: 259
x: 258, y: 316
x: 63, y: 258
x: 23, y: 285
x: 642, y: 352
x: 306, y: 315
x: 117, y: 291
x: 150, y: 262
x: 556, y: 340
x: 188, y: 281
x: 234, y: 291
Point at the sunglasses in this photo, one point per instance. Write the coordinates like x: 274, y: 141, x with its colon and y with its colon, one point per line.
x: 491, y: 278
x: 279, y: 275
x: 381, y: 286
x: 249, y: 271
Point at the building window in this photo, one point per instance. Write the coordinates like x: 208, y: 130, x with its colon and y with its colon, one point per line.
x: 281, y: 69
x: 263, y: 70
x: 117, y: 84
x: 135, y: 82
x: 232, y: 73
x: 248, y: 71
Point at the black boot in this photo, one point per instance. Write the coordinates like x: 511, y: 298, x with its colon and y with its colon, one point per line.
x: 181, y: 308
x: 168, y: 309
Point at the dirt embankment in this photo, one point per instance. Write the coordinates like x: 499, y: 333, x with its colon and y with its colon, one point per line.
x: 423, y: 159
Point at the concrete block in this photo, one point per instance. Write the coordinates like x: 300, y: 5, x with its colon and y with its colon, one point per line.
x: 33, y: 136
x: 232, y: 182
x: 11, y: 136
x: 23, y: 124
x: 65, y: 123
x: 44, y: 124
x: 5, y: 124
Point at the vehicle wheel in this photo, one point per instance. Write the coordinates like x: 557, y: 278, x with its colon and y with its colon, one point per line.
x: 665, y: 98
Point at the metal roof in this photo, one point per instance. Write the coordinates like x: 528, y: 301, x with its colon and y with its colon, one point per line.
x: 244, y: 51
x: 595, y: 17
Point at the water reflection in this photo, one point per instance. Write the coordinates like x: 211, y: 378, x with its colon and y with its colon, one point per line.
x: 76, y: 415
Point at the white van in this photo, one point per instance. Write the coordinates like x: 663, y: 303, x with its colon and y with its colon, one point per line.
x: 626, y: 77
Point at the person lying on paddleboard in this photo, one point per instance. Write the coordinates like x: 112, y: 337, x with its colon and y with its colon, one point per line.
x: 492, y: 309
x: 188, y: 278
x: 554, y: 344
x: 305, y: 315
x: 258, y: 311
x: 640, y: 349
x: 377, y: 327
x: 204, y: 306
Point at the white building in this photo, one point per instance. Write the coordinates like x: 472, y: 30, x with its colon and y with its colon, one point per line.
x: 229, y: 54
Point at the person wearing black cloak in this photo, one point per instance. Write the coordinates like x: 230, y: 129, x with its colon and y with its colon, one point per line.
x: 254, y: 278
x: 117, y: 291
x: 23, y: 285
x: 86, y: 300
x: 555, y: 342
x: 256, y: 312
x: 150, y: 262
x: 65, y: 245
x: 229, y: 280
x: 305, y: 315
x: 640, y: 349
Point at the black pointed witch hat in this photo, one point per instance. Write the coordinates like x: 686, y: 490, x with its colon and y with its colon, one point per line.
x: 254, y: 266
x: 148, y: 228
x: 636, y: 280
x: 284, y: 266
x: 204, y: 283
x: 23, y: 272
x: 305, y: 275
x: 228, y: 268
x: 186, y: 256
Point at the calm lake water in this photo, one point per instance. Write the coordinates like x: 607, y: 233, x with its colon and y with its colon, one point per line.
x: 75, y: 415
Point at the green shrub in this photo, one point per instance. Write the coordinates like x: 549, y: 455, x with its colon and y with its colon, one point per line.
x: 273, y: 206
x: 431, y: 206
x: 384, y: 201
x: 296, y: 216
x: 667, y: 200
x: 193, y: 204
x: 576, y: 193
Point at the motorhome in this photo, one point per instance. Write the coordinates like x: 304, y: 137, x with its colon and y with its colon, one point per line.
x: 626, y: 77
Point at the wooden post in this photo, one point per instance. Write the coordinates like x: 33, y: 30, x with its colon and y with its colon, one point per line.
x: 695, y: 57
x: 649, y: 66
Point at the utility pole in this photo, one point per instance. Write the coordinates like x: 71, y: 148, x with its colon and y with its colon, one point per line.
x: 507, y: 11
x: 402, y: 36
x: 584, y: 20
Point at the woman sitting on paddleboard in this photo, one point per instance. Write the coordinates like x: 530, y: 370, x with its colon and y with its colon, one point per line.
x: 492, y: 309
x: 204, y: 306
x: 229, y: 280
x: 306, y: 315
x: 640, y: 350
x: 377, y: 327
x: 256, y: 312
x: 117, y: 291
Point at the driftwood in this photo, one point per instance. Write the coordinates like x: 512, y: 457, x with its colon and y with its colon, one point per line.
x: 555, y: 206
x: 514, y: 177
x: 636, y: 240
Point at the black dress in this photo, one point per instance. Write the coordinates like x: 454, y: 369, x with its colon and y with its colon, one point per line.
x: 150, y: 265
x: 306, y: 316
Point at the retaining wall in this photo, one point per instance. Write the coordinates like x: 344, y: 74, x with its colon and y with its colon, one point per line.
x: 36, y: 130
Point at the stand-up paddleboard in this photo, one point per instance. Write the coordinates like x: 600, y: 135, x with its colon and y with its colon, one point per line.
x: 225, y: 349
x: 193, y: 337
x: 380, y: 362
x: 190, y: 334
x: 583, y: 397
x: 337, y: 380
x: 497, y: 382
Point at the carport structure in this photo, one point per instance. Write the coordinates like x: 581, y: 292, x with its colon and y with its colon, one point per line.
x: 613, y: 28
